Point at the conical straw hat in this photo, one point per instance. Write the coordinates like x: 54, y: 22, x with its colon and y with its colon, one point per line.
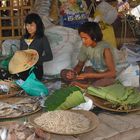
x: 23, y: 60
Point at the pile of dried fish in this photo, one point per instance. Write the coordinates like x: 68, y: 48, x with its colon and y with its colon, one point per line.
x: 20, y: 108
x: 8, y: 86
x: 17, y: 131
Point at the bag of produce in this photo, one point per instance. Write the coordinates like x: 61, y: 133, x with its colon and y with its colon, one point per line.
x: 117, y: 94
x: 32, y: 86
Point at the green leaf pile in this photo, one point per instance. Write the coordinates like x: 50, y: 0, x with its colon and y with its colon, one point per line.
x: 64, y: 98
x: 117, y: 94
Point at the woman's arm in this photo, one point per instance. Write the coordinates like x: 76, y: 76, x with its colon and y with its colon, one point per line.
x: 78, y: 68
x: 110, y: 73
x: 47, y: 56
x: 23, y: 45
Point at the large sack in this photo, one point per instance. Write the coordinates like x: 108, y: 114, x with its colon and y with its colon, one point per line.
x: 72, y: 13
x: 65, y: 44
x: 10, y: 46
x: 42, y: 7
x: 107, y: 11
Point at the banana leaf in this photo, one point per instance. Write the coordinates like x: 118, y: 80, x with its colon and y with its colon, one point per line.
x: 117, y: 94
x: 64, y: 98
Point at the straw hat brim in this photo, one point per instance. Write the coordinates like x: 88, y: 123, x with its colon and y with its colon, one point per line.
x: 23, y: 60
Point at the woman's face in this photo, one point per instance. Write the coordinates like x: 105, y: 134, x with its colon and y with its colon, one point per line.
x: 31, y: 28
x: 87, y: 41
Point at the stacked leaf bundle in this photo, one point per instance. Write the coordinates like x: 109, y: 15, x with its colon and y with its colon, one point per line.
x: 64, y: 98
x: 117, y: 94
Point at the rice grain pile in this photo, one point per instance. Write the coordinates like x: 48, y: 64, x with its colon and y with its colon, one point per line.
x: 63, y: 122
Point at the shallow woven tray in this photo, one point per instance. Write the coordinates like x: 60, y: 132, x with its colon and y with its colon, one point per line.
x: 8, y: 123
x: 13, y: 91
x: 94, y: 122
x: 103, y: 104
x: 13, y: 100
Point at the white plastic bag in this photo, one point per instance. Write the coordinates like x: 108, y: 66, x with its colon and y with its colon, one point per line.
x: 109, y: 13
x: 130, y: 76
x: 132, y: 51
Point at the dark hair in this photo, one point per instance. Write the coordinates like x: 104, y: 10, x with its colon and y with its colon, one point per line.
x: 92, y: 29
x: 33, y: 17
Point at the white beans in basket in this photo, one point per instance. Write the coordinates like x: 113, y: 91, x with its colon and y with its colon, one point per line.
x: 63, y: 122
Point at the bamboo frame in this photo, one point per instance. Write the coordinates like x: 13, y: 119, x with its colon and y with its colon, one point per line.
x: 12, y: 18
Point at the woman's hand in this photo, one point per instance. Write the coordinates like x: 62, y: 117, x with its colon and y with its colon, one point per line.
x: 70, y: 75
x: 82, y: 76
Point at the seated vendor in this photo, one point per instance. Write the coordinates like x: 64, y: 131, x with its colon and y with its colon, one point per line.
x: 34, y: 39
x: 103, y: 71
